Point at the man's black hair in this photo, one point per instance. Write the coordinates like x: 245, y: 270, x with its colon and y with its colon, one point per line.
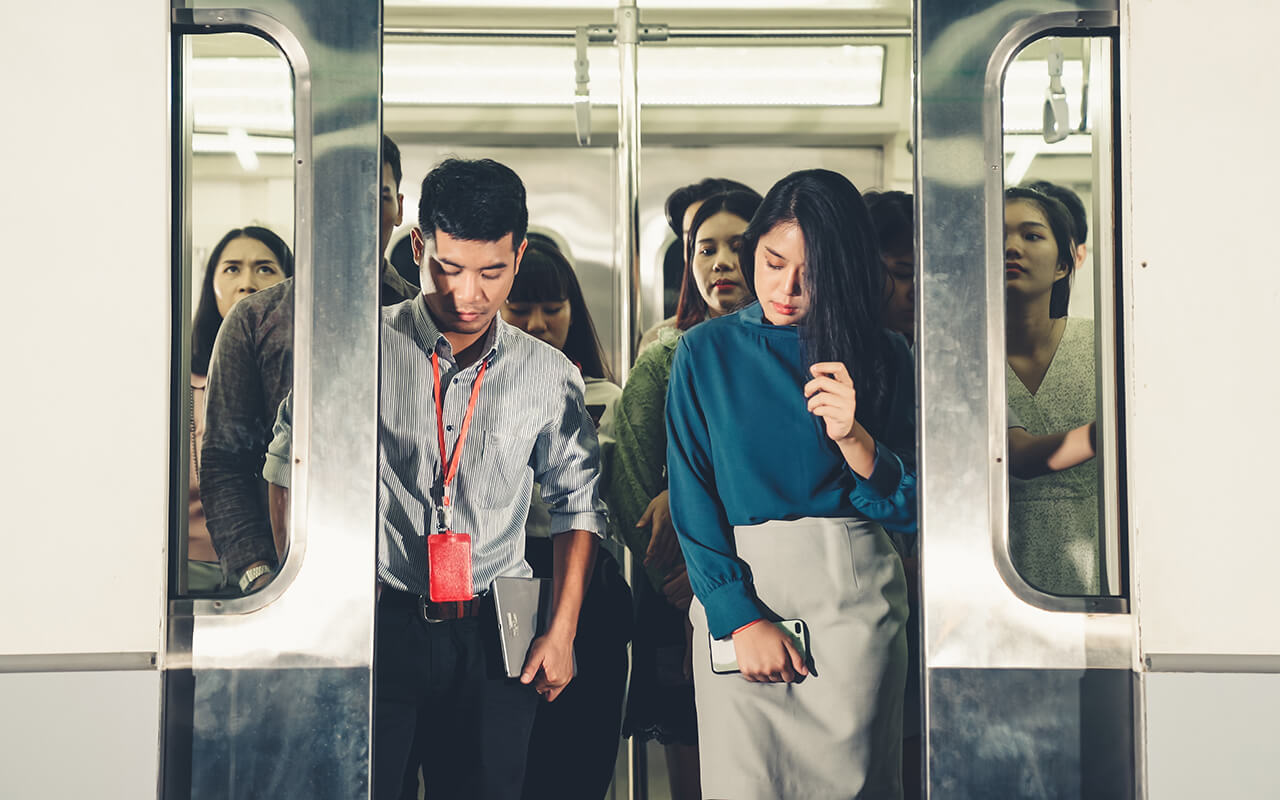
x: 477, y: 201
x: 391, y: 155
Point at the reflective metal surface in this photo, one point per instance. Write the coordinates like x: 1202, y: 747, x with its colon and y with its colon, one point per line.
x: 283, y: 678
x: 972, y: 618
x: 978, y: 615
x: 1031, y: 734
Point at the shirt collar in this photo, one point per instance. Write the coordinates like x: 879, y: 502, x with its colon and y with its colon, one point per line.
x: 432, y: 339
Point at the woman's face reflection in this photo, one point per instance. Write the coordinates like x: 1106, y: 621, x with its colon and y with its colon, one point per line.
x: 245, y: 266
x: 1030, y: 251
x: 716, y: 268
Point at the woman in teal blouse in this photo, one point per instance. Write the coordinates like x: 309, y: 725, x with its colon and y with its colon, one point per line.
x: 791, y: 448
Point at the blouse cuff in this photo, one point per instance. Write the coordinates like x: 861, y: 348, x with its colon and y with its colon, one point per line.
x: 729, y: 606
x: 885, y: 476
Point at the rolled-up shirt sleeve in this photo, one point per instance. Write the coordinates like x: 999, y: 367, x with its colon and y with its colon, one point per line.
x: 566, y: 463
x: 277, y: 469
x: 721, y: 581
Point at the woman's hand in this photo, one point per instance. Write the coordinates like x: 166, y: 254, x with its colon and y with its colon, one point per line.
x: 664, y: 549
x: 677, y: 589
x: 767, y: 655
x: 832, y: 396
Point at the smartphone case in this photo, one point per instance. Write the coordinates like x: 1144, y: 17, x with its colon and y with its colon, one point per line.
x: 724, y: 659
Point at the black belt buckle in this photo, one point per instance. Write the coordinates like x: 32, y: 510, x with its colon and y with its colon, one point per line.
x: 424, y: 604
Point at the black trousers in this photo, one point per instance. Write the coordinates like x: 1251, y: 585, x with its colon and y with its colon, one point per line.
x: 443, y: 684
x: 575, y: 739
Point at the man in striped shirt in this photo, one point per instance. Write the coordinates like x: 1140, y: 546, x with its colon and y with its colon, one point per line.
x: 437, y: 671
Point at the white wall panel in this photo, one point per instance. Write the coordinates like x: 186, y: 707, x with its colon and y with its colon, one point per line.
x: 73, y: 735
x: 1205, y: 299
x: 1212, y: 736
x: 85, y: 328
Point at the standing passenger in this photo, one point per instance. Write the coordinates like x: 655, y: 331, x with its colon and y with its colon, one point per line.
x: 681, y: 205
x: 250, y: 373
x: 660, y: 704
x: 1053, y: 520
x: 891, y: 215
x: 791, y: 428
x: 245, y: 261
x: 436, y: 668
x: 575, y: 740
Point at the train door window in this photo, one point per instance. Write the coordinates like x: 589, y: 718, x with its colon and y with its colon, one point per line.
x: 234, y: 202
x: 1062, y: 323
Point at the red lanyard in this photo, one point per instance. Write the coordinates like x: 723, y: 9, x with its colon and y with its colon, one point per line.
x: 451, y: 466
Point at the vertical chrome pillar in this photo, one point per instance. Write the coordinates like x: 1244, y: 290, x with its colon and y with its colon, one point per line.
x: 627, y: 209
x: 628, y: 182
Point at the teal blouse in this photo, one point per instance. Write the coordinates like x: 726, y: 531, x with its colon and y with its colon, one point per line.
x: 743, y: 449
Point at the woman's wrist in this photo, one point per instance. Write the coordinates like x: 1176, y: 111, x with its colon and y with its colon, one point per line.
x: 748, y: 625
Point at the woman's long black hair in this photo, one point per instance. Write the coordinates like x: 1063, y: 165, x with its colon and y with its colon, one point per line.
x: 843, y: 276
x: 692, y: 307
x: 547, y: 276
x: 1063, y: 228
x: 204, y: 328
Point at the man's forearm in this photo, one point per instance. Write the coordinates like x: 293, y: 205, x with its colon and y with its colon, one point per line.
x: 230, y: 492
x: 575, y: 553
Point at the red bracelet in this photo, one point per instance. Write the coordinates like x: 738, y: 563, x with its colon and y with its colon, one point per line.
x: 748, y: 625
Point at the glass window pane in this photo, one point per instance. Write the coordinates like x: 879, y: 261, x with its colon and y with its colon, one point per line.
x: 1061, y: 332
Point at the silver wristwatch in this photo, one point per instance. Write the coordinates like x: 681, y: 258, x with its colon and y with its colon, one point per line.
x: 252, y: 574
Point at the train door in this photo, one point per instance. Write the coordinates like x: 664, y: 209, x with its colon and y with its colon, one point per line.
x: 268, y: 693
x: 1028, y: 637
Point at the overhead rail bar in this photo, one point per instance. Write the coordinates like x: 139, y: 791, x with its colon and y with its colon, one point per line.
x: 647, y: 32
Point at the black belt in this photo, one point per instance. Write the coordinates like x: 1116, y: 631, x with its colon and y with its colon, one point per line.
x: 430, y: 610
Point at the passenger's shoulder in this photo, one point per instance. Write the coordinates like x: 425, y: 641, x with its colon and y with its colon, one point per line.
x: 531, y: 351
x: 255, y: 308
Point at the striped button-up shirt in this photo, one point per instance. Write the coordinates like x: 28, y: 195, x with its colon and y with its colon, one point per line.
x: 530, y: 424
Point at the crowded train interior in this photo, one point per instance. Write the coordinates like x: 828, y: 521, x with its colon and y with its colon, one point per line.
x: 1015, y: 266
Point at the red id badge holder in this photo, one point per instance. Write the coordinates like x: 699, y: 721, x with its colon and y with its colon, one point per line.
x: 449, y: 560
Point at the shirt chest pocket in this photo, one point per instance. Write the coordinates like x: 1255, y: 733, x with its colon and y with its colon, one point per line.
x: 498, y: 477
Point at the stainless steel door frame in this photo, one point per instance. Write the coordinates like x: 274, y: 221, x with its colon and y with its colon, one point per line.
x: 1025, y: 695
x: 271, y: 694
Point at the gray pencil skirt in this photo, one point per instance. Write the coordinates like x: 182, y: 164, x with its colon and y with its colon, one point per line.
x: 838, y: 733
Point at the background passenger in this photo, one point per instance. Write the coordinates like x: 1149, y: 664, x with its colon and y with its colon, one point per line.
x: 244, y: 261
x: 574, y: 743
x: 1075, y: 207
x: 249, y: 375
x: 891, y: 216
x: 660, y: 703
x: 791, y: 428
x: 1053, y: 520
x: 681, y: 205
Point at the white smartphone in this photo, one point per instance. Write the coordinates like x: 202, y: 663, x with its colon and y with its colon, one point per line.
x: 724, y: 659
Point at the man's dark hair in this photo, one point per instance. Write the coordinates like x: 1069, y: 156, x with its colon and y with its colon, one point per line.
x: 391, y: 155
x: 476, y: 201
x: 679, y: 201
x: 1073, y: 203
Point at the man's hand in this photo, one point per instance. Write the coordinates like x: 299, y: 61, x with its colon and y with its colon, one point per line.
x: 664, y: 548
x: 767, y: 655
x: 549, y: 665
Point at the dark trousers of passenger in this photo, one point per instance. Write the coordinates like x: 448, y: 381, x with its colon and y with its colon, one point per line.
x: 575, y: 739
x: 444, y: 683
